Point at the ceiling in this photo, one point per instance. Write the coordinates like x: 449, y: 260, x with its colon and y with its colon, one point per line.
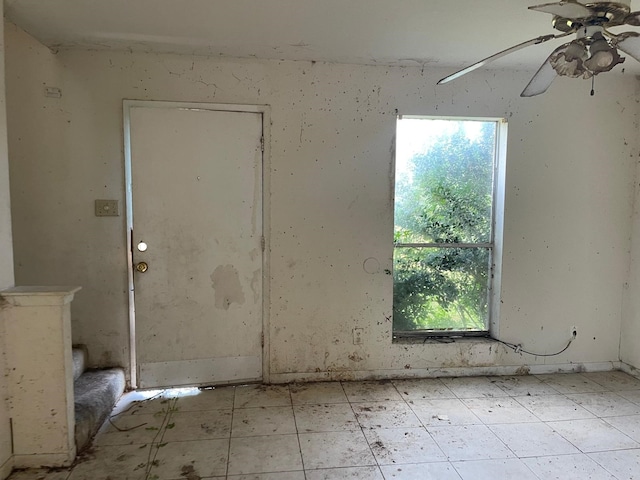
x: 448, y: 33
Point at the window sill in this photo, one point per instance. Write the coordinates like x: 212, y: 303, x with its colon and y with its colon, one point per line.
x: 417, y: 340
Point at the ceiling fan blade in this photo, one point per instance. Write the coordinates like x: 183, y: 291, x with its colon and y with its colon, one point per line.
x: 482, y: 63
x: 629, y: 43
x: 543, y: 78
x: 566, y: 9
x: 633, y: 19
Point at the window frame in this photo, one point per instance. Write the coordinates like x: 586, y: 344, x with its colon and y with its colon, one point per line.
x: 496, y: 237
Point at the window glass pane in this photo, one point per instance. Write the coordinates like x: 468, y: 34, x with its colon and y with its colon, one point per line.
x: 444, y: 181
x: 440, y: 289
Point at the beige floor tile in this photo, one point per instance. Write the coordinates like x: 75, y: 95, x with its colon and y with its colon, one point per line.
x: 533, y: 440
x: 549, y: 408
x: 422, y: 471
x: 40, y: 474
x: 201, y: 458
x: 203, y: 425
x: 444, y: 412
x: 630, y: 425
x: 614, y: 381
x: 265, y: 454
x: 473, y: 387
x: 623, y: 464
x: 469, y: 442
x: 423, y: 389
x: 317, y: 393
x: 523, y: 386
x: 571, y: 383
x: 335, y: 449
x: 249, y: 422
x: 269, y: 476
x: 494, y: 469
x: 385, y: 415
x: 262, y: 396
x: 593, y: 435
x: 607, y: 404
x: 403, y: 445
x: 567, y: 467
x: 188, y: 431
x: 129, y: 429
x: 492, y: 411
x: 122, y: 462
x: 118, y: 423
x: 325, y: 418
x: 631, y: 395
x: 371, y: 391
x: 350, y: 473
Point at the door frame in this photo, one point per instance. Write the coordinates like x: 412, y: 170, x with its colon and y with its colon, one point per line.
x: 265, y: 112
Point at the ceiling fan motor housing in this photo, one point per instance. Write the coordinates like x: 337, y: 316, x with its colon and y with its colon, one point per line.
x: 608, y: 14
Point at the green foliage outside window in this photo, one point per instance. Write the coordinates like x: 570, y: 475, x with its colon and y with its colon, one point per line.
x: 444, y: 196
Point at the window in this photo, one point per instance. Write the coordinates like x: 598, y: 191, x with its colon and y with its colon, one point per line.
x: 445, y: 229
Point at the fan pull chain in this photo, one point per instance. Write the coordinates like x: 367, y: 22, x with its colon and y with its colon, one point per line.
x: 593, y: 82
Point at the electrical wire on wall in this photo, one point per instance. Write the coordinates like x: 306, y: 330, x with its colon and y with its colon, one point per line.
x: 518, y: 347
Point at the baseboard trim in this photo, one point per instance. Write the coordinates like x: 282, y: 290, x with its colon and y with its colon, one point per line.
x: 506, y: 370
x: 6, y: 468
x: 43, y: 460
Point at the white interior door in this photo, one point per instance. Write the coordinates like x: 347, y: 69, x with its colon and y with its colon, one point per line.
x: 196, y: 193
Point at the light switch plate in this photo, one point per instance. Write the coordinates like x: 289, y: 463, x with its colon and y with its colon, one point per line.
x: 107, y: 208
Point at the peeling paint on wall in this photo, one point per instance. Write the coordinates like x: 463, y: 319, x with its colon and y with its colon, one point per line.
x: 226, y: 283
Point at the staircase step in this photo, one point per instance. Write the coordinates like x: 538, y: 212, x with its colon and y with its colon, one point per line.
x: 80, y: 359
x: 96, y: 393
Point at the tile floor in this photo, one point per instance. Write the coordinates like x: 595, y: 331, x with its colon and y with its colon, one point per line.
x: 571, y: 426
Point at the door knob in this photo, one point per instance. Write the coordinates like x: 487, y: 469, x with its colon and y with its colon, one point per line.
x: 142, y: 267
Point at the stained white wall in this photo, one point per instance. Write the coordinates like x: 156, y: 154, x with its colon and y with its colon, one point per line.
x: 569, y: 195
x: 37, y: 156
x: 6, y: 265
x: 629, y: 349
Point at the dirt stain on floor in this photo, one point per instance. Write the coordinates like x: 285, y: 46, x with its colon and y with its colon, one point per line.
x: 189, y: 473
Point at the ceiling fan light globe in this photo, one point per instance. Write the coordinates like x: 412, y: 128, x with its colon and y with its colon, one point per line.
x: 576, y: 51
x: 602, y: 59
x: 568, y: 61
x: 573, y: 69
x: 603, y: 56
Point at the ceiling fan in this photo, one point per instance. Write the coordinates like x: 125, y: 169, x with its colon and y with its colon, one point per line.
x: 594, y: 49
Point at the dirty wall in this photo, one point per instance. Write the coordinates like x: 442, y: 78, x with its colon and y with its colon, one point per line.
x: 6, y: 267
x: 629, y: 351
x: 569, y: 193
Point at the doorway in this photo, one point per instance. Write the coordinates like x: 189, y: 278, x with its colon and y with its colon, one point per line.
x: 194, y: 175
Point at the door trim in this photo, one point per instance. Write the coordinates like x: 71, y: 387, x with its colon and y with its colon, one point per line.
x: 265, y: 111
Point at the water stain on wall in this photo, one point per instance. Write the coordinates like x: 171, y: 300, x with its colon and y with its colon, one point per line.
x: 226, y: 283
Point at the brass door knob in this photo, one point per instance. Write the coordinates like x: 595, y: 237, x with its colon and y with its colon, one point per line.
x: 142, y: 267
